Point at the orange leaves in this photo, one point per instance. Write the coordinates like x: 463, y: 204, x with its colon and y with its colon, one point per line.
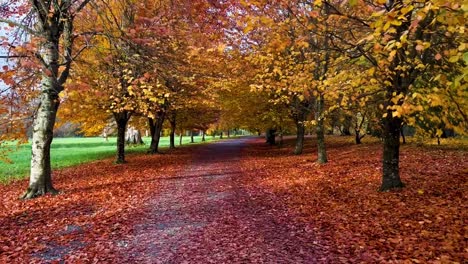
x: 340, y: 203
x: 98, y: 205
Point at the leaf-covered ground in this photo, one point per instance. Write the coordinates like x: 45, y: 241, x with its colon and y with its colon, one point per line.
x: 242, y: 201
x: 423, y: 223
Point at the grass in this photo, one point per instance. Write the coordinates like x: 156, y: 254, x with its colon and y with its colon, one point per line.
x: 66, y: 152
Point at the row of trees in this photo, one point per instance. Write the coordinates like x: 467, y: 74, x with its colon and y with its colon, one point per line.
x: 276, y: 66
x: 376, y: 64
x: 147, y: 60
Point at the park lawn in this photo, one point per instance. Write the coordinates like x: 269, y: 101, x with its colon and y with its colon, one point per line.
x: 66, y: 152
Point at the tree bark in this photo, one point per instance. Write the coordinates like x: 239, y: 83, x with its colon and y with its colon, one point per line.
x: 191, y: 137
x: 181, y: 137
x: 56, y: 26
x: 228, y: 133
x: 300, y: 138
x: 270, y: 136
x: 391, y: 153
x: 203, y: 136
x: 321, y: 149
x: 173, y: 124
x: 357, y: 134
x: 40, y: 179
x: 156, y: 125
x: 221, y: 135
x: 121, y: 119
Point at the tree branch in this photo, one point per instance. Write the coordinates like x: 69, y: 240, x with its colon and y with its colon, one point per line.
x: 21, y: 26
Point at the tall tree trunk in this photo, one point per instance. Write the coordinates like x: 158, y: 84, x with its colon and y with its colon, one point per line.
x: 172, y: 121
x: 321, y: 149
x: 56, y: 26
x: 391, y: 153
x: 203, y: 136
x: 121, y: 119
x: 157, y: 125
x: 300, y: 137
x: 221, y: 135
x: 40, y: 179
x: 191, y: 137
x: 228, y: 133
x: 181, y: 137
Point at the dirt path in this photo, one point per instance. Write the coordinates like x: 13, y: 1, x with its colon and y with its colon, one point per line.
x: 204, y: 215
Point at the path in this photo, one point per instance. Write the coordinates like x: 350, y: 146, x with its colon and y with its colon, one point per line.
x: 205, y: 216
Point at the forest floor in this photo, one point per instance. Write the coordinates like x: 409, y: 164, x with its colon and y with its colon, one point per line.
x: 242, y: 201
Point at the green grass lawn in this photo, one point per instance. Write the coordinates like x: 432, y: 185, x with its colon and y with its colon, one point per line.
x: 67, y: 152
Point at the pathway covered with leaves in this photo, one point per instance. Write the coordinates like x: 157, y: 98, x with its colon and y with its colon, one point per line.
x: 242, y: 201
x: 204, y: 215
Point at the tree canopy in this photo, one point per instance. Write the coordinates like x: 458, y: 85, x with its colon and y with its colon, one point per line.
x: 284, y: 66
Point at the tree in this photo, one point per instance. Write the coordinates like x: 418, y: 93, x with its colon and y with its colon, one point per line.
x: 51, y: 26
x: 408, y: 46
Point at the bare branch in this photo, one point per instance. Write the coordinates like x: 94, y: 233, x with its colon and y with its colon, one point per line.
x: 21, y: 26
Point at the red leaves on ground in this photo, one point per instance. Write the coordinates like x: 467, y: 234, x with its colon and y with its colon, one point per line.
x: 421, y: 223
x: 99, y: 203
x: 215, y: 203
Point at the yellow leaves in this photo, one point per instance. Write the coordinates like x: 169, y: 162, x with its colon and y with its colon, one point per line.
x: 130, y: 90
x: 353, y: 2
x: 420, y: 66
x: 454, y: 58
x: 406, y: 9
x: 266, y: 21
x: 381, y: 2
x: 387, y: 25
x: 391, y: 56
x: 396, y: 114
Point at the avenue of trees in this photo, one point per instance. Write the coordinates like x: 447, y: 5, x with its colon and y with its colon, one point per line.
x: 360, y: 66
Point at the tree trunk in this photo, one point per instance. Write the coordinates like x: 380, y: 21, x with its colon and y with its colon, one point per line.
x: 391, y: 153
x: 228, y: 133
x: 203, y: 136
x: 58, y: 35
x: 191, y: 137
x: 156, y: 125
x: 180, y: 138
x: 321, y: 149
x: 121, y: 119
x: 40, y: 179
x: 221, y: 135
x: 133, y: 136
x: 270, y: 136
x: 357, y: 136
x: 172, y: 134
x: 300, y: 138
